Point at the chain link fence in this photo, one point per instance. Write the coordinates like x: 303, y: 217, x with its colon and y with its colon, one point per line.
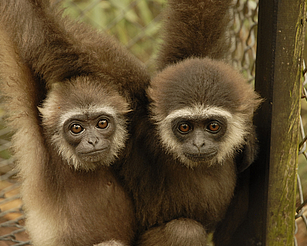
x: 136, y: 24
x: 301, y: 213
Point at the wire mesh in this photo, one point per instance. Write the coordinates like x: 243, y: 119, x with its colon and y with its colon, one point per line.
x: 136, y: 24
x: 301, y: 213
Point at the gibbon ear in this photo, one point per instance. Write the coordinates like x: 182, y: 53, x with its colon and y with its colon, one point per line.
x: 248, y: 153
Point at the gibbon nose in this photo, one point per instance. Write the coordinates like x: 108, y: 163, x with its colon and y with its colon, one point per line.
x: 93, y: 141
x: 199, y: 145
x: 199, y: 141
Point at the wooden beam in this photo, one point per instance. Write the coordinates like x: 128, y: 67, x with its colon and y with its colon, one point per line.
x: 278, y: 81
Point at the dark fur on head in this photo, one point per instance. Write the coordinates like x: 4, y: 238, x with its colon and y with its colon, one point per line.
x: 50, y: 62
x: 168, y: 183
x: 201, y: 81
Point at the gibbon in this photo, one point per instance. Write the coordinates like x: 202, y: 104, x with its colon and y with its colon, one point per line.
x: 199, y: 132
x: 71, y: 94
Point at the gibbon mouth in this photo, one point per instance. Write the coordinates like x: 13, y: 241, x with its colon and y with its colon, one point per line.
x: 93, y: 152
x: 200, y: 157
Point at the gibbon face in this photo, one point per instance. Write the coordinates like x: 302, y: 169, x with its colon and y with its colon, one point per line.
x: 202, y: 135
x: 90, y: 134
x: 86, y: 123
x: 203, y: 111
x: 199, y: 135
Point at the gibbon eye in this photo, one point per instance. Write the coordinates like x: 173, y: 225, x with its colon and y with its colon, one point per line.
x: 102, y: 124
x: 76, y: 128
x: 184, y: 127
x: 214, y: 127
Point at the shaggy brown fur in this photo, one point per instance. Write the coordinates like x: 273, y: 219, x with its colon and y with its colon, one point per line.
x: 177, y: 201
x: 194, y: 29
x: 40, y: 50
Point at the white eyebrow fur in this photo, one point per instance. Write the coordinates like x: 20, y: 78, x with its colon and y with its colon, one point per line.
x: 91, y: 110
x: 198, y: 111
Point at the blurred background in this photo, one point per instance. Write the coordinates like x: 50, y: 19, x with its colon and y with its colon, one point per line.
x: 136, y: 24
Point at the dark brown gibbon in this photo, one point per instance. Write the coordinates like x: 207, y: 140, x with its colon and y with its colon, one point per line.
x: 199, y: 133
x: 71, y: 94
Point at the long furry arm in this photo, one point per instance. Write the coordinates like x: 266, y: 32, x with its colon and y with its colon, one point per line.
x: 57, y: 48
x: 194, y: 28
x: 28, y: 56
x: 21, y: 33
x: 21, y: 94
x: 32, y: 27
x: 21, y: 89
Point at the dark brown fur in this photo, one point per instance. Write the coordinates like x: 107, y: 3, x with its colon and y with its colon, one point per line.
x: 194, y: 29
x: 173, y: 201
x: 39, y: 47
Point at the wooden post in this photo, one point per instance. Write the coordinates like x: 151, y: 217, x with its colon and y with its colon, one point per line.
x: 278, y: 80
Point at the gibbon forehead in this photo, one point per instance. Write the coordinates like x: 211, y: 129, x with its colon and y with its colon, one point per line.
x: 84, y: 91
x: 199, y: 81
x: 82, y: 95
